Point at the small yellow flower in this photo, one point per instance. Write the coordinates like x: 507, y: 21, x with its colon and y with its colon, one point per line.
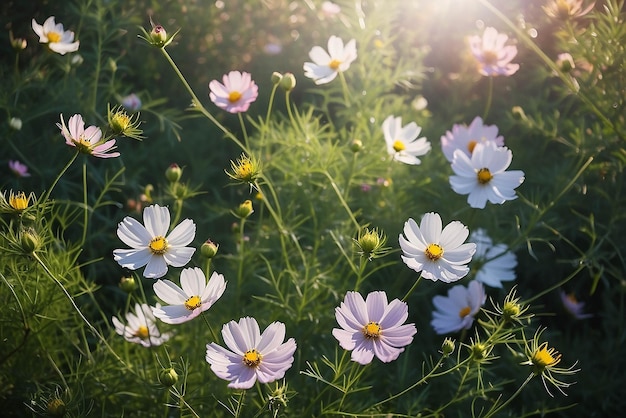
x: 122, y: 124
x: 16, y: 203
x: 245, y: 169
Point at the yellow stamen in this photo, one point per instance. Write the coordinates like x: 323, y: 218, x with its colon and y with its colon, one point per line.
x: 193, y: 303
x: 252, y: 358
x: 334, y: 64
x: 465, y: 311
x: 53, y: 37
x: 18, y: 201
x: 546, y: 357
x: 471, y: 145
x: 158, y: 245
x: 434, y: 252
x: 142, y: 332
x: 490, y: 57
x: 234, y: 96
x: 399, y: 146
x: 372, y: 330
x: 484, y: 176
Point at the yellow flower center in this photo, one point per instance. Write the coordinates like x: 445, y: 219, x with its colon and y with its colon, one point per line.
x: 252, y: 358
x: 490, y: 57
x: 334, y: 64
x: 434, y: 252
x: 142, y: 332
x: 465, y: 311
x: 234, y: 96
x: 471, y: 145
x: 398, y: 146
x: 54, y: 37
x: 372, y: 330
x: 379, y: 44
x: 244, y: 170
x: 193, y: 303
x: 484, y: 176
x: 18, y: 201
x: 120, y: 121
x: 545, y: 357
x: 158, y: 245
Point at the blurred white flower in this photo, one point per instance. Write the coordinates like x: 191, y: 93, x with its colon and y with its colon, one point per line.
x: 53, y: 34
x: 141, y: 327
x: 402, y: 141
x: 465, y: 138
x: 326, y: 65
x: 493, y: 56
x: 457, y: 310
x: 496, y: 263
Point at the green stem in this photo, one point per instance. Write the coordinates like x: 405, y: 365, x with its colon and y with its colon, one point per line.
x: 556, y: 286
x: 344, y: 87
x: 492, y: 412
x: 243, y: 130
x: 56, y: 180
x: 85, y: 207
x: 241, y: 258
x: 412, y: 288
x: 489, y: 98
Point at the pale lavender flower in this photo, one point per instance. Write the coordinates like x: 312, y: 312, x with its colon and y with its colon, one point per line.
x: 19, y: 169
x: 236, y: 94
x: 193, y: 297
x: 496, y: 263
x: 252, y: 356
x: 465, y: 137
x: 131, y: 102
x: 141, y: 327
x: 573, y: 306
x: 373, y: 327
x: 493, y: 56
x: 87, y: 141
x: 326, y: 65
x: 457, y: 310
x: 53, y: 34
x: 149, y: 244
x: 330, y: 9
x: 483, y: 177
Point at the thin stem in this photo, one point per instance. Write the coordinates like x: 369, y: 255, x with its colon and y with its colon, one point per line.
x: 241, y: 258
x: 56, y: 180
x: 412, y: 288
x: 489, y: 98
x: 492, y: 412
x: 206, y: 321
x: 344, y: 87
x: 243, y: 129
x: 85, y: 207
x: 557, y: 285
x: 270, y: 104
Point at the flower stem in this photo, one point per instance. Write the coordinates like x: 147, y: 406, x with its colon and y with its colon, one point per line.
x: 56, y: 180
x: 494, y: 411
x: 243, y: 129
x: 489, y: 98
x: 412, y: 288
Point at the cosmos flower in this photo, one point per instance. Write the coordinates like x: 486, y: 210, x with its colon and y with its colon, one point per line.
x: 326, y: 65
x: 483, y: 177
x: 567, y: 9
x: 438, y: 254
x: 573, y: 306
x: 465, y: 138
x: 373, y: 327
x: 457, y: 310
x: 252, y: 356
x: 53, y: 34
x: 236, y: 94
x: 141, y: 327
x: 496, y: 264
x: 402, y: 141
x: 149, y: 244
x: 19, y: 169
x: 493, y: 56
x: 131, y: 102
x: 191, y: 299
x: 87, y: 141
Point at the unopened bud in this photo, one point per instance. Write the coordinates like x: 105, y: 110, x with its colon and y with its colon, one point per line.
x: 15, y: 123
x: 56, y: 407
x: 128, y: 284
x: 288, y: 82
x: 447, y: 347
x: 276, y: 77
x: 29, y: 240
x: 244, y: 210
x: 158, y: 35
x: 209, y: 249
x: 356, y: 145
x: 173, y: 173
x: 168, y: 377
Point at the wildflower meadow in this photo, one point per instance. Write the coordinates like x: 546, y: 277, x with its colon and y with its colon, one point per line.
x: 306, y: 208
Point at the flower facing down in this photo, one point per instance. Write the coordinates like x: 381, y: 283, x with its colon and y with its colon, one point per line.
x: 149, y: 244
x: 191, y: 299
x: 53, y: 34
x: 483, y: 177
x: 326, y: 65
x: 465, y: 138
x: 141, y: 327
x: 236, y: 94
x: 402, y: 141
x: 252, y: 356
x: 457, y: 310
x: 19, y: 169
x: 496, y: 264
x: 87, y: 141
x: 438, y: 254
x: 493, y: 56
x: 373, y: 327
x: 573, y: 306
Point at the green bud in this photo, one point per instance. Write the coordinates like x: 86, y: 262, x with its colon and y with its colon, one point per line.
x: 276, y: 77
x: 158, y: 35
x: 15, y: 123
x: 209, y: 249
x: 168, y: 377
x: 56, y: 407
x: 244, y: 210
x: 29, y: 240
x: 288, y: 82
x: 447, y: 347
x: 479, y: 351
x: 173, y: 173
x: 128, y: 284
x: 356, y: 145
x: 518, y: 113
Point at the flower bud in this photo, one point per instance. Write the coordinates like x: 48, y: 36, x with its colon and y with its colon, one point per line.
x: 276, y: 77
x: 18, y: 44
x: 56, y: 407
x: 518, y: 113
x: 479, y: 351
x: 209, y: 249
x: 173, y: 173
x: 356, y: 145
x: 244, y: 210
x: 29, y: 241
x: 447, y: 347
x: 168, y: 377
x: 288, y: 82
x: 565, y: 62
x: 15, y: 123
x: 128, y: 284
x: 77, y: 60
x: 158, y: 35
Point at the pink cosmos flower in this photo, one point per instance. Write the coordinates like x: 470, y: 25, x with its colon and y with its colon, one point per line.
x: 19, y: 169
x: 566, y: 9
x: 493, y: 56
x: 465, y: 138
x: 373, y: 327
x: 87, y: 141
x: 573, y: 306
x: 252, y: 355
x: 236, y: 94
x: 131, y: 102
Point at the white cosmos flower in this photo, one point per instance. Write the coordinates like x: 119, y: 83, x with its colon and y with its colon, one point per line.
x: 53, y: 34
x: 252, y: 355
x: 402, y: 141
x: 496, y: 263
x: 438, y: 254
x: 483, y: 176
x: 141, y: 327
x: 456, y: 311
x: 326, y: 65
x: 191, y: 299
x: 465, y: 137
x: 151, y: 246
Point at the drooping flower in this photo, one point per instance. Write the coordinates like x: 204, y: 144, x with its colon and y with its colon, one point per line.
x: 373, y: 327
x: 402, y: 141
x: 252, y: 355
x: 191, y: 299
x: 573, y: 306
x: 457, y: 310
x: 465, y: 138
x: 483, y: 177
x: 53, y: 34
x: 438, y: 254
x: 87, y: 141
x: 326, y: 65
x: 493, y: 56
x: 567, y: 9
x: 496, y: 264
x: 141, y: 327
x: 236, y: 94
x: 149, y: 244
x: 19, y: 169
